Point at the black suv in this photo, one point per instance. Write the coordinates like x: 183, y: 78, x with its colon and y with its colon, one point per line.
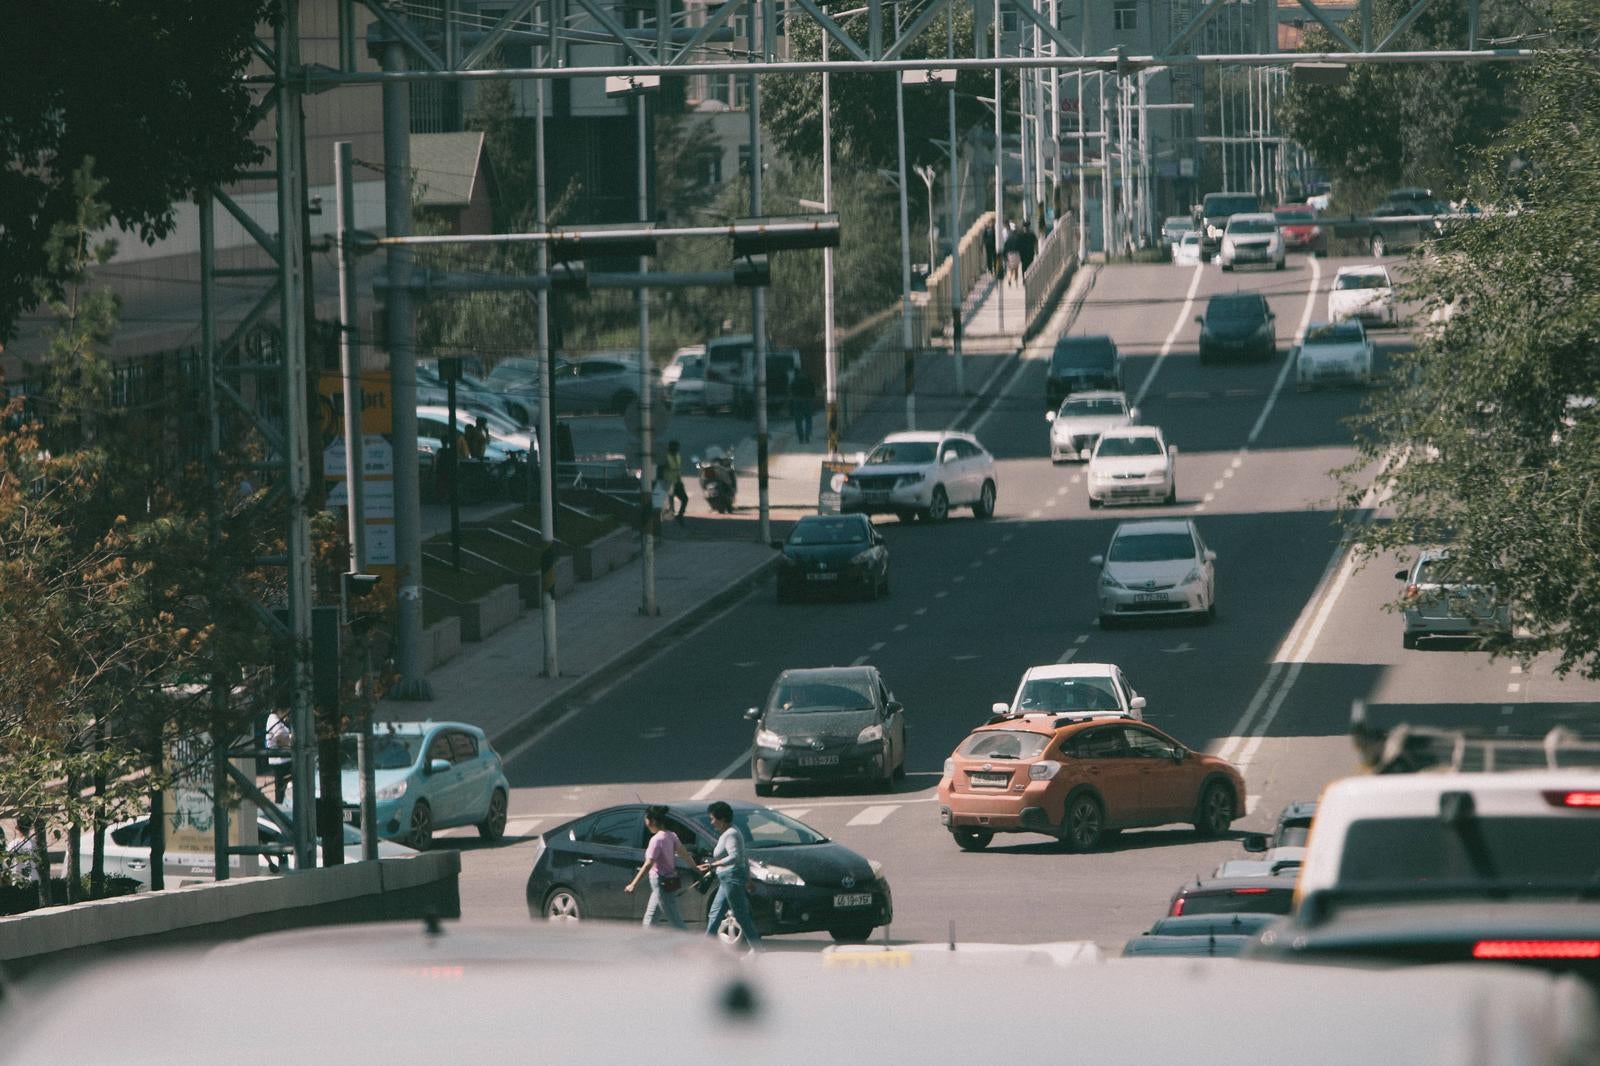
x: 1080, y: 364
x: 1211, y: 217
x: 1237, y: 324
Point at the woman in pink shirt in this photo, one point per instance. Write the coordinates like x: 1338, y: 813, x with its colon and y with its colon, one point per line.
x: 659, y: 856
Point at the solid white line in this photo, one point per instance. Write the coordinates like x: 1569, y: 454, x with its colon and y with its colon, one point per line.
x: 1166, y: 346
x: 1288, y: 364
x: 1082, y: 640
x: 941, y: 594
x: 873, y: 815
x: 716, y: 782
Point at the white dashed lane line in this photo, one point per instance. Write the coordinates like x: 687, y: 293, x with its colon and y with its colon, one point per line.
x: 874, y: 815
x: 1084, y: 639
x: 901, y: 627
x: 876, y: 647
x: 858, y: 660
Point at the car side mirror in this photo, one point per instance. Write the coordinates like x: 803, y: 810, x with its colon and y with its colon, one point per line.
x: 999, y: 708
x: 1049, y: 416
x: 778, y: 544
x: 1255, y: 843
x: 1211, y: 556
x: 1097, y: 560
x: 752, y: 713
x: 1179, y: 754
x: 438, y: 766
x: 1401, y: 575
x: 1199, y: 320
x: 1137, y: 703
x: 1133, y: 414
x: 894, y: 707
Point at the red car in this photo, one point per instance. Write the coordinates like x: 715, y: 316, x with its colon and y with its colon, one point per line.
x: 1301, y: 233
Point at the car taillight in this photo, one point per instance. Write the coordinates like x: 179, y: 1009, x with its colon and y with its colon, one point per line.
x: 1177, y: 907
x: 1573, y: 799
x: 1536, y: 949
x: 1250, y: 891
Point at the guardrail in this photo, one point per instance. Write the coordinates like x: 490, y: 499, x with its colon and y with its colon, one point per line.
x: 1051, y: 267
x: 937, y: 319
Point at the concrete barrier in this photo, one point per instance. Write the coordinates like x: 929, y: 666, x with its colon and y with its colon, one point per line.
x: 441, y: 642
x: 381, y: 890
x: 604, y: 554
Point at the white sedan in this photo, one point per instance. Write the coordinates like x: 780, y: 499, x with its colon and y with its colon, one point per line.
x: 1253, y: 238
x: 1186, y: 252
x: 1082, y: 418
x: 1362, y: 292
x: 1156, y: 567
x: 1085, y: 689
x: 1333, y: 351
x: 1134, y: 464
x: 922, y: 473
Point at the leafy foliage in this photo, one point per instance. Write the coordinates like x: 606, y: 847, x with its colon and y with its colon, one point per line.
x: 1489, y: 438
x: 150, y: 88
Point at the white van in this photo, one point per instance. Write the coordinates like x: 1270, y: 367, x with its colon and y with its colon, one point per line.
x: 730, y: 379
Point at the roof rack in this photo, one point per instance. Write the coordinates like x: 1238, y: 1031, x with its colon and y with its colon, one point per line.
x: 1062, y: 718
x: 1404, y: 748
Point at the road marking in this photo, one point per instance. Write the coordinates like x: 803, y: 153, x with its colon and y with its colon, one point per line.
x: 1503, y: 730
x: 1288, y: 364
x: 901, y: 627
x: 1180, y: 649
x: 1513, y: 687
x: 1061, y: 490
x: 1076, y: 478
x: 727, y: 771
x: 1208, y: 497
x: 522, y: 826
x: 1051, y: 502
x: 794, y: 812
x: 1177, y: 327
x: 859, y: 659
x: 1066, y: 656
x: 1008, y: 538
x: 1084, y: 639
x: 874, y: 815
x: 1238, y: 461
x: 958, y: 579
x: 962, y: 658
x: 920, y: 611
x: 970, y: 566
x: 876, y: 647
x: 1036, y: 513
x: 1507, y: 709
x: 1199, y: 507
x: 1249, y: 804
x: 1228, y: 473
x: 1516, y: 668
x: 1217, y: 484
x: 1075, y: 302
x: 899, y: 802
x: 941, y: 594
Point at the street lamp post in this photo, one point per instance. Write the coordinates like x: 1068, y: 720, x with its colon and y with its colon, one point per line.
x: 927, y: 173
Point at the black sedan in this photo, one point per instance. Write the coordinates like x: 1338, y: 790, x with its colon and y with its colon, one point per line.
x: 833, y: 553
x: 832, y: 723
x: 801, y: 882
x: 1235, y: 325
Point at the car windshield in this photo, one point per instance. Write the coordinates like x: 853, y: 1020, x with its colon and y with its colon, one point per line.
x: 1334, y: 333
x: 1234, y: 308
x: 1294, y: 216
x: 1240, y: 901
x: 1003, y: 744
x: 1362, y: 281
x: 803, y: 695
x: 1220, y: 204
x: 1124, y: 447
x: 1095, y: 408
x: 765, y: 828
x: 829, y: 531
x: 1178, y: 225
x: 390, y: 751
x: 1151, y: 547
x: 1060, y: 694
x: 1251, y: 225
x: 911, y: 452
x: 692, y: 367
x: 1502, y: 851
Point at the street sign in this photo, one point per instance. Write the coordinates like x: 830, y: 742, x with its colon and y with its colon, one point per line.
x: 830, y: 483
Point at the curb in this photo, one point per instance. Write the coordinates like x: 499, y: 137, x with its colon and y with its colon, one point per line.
x: 556, y: 704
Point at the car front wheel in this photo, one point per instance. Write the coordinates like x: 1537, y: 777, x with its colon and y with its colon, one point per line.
x: 563, y: 906
x: 939, y: 505
x: 984, y: 508
x: 420, y: 833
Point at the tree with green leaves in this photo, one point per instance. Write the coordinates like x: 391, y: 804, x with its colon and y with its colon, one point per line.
x: 152, y: 90
x: 1488, y: 438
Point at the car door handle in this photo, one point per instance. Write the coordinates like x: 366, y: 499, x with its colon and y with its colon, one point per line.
x: 585, y: 862
x: 1092, y: 769
x: 137, y: 864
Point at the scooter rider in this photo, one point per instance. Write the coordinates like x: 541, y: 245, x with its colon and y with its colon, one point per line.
x: 718, y: 480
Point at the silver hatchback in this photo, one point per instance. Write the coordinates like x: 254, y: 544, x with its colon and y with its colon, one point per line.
x: 1437, y: 606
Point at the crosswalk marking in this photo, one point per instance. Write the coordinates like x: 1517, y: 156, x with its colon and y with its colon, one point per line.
x: 874, y: 815
x: 522, y: 826
x: 794, y: 812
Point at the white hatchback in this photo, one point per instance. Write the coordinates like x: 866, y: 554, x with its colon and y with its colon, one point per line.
x: 1363, y: 292
x: 1157, y: 567
x: 1253, y: 238
x: 1132, y: 464
x: 923, y: 474
x: 1332, y: 352
x: 1082, y: 418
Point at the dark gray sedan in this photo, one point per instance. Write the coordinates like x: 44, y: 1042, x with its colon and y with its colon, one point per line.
x: 833, y: 553
x: 831, y: 723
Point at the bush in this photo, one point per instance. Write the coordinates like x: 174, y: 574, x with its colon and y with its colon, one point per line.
x: 18, y: 897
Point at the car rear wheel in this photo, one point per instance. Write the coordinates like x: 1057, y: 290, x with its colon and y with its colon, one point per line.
x: 563, y: 905
x: 493, y: 826
x: 420, y: 833
x: 938, y: 505
x: 984, y: 508
x: 972, y: 839
x: 1215, y: 812
x: 1083, y: 824
x: 854, y: 933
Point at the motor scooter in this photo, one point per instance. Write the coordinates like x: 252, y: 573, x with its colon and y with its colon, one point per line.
x: 719, y: 483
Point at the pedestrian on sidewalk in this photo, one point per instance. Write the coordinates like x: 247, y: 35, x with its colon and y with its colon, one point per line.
x: 732, y: 870
x: 279, y: 739
x: 1029, y: 246
x: 991, y: 248
x: 675, y: 479
x: 660, y: 863
x: 802, y: 398
x: 1013, y: 249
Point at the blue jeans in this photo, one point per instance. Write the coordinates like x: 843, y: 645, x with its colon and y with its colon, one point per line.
x: 662, y: 903
x: 802, y: 421
x: 731, y: 896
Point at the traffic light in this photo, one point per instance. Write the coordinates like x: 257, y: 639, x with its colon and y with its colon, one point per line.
x: 752, y: 272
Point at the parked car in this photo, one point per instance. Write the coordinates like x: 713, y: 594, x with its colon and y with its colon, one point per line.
x: 829, y: 723
x: 429, y: 775
x: 605, y: 381
x: 1082, y: 363
x: 472, y: 392
x: 1205, y: 945
x: 687, y: 389
x: 1133, y: 464
x: 1211, y: 217
x: 1086, y: 689
x: 1080, y: 779
x: 1157, y: 567
x: 1237, y: 324
x: 1363, y: 292
x: 1251, y: 238
x: 730, y: 376
x: 833, y: 553
x: 1082, y: 417
x: 1301, y: 233
x: 1438, y: 604
x: 1261, y: 894
x: 690, y: 353
x: 505, y: 439
x: 801, y: 881
x: 1333, y: 352
x: 922, y: 473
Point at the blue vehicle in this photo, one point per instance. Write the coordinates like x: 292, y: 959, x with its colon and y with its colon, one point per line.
x: 429, y: 775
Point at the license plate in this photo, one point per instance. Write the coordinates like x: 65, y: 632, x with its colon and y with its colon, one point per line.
x: 853, y: 899
x: 819, y: 760
x: 991, y: 780
x: 877, y: 496
x: 822, y: 577
x: 1151, y: 597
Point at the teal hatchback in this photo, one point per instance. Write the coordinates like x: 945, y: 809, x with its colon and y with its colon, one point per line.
x: 429, y: 775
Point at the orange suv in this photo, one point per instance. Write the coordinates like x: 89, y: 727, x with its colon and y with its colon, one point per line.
x: 1079, y: 778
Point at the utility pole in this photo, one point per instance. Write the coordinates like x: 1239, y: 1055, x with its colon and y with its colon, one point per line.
x: 957, y: 294
x: 999, y: 178
x: 830, y: 351
x: 647, y: 605
x: 758, y: 301
x: 907, y: 350
x: 547, y: 452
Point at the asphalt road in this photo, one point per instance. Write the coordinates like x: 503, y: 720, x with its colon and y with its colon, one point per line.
x: 1300, y: 633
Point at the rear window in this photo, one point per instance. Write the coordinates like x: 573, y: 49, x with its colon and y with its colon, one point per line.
x: 1503, y: 852
x: 1362, y: 281
x: 1229, y: 204
x: 1125, y: 447
x: 1240, y: 901
x: 1294, y: 833
x: 1334, y: 333
x: 1077, y: 354
x: 1250, y: 226
x: 1003, y: 744
x: 1228, y: 307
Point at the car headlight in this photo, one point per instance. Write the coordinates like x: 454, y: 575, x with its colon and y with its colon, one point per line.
x: 1193, y: 576
x: 766, y: 738
x: 907, y: 479
x: 394, y: 791
x: 861, y: 558
x: 1110, y: 582
x: 1043, y: 771
x: 870, y: 734
x: 768, y: 874
x: 876, y: 867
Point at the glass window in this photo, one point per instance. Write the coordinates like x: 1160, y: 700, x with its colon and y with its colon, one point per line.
x: 1263, y: 901
x: 1055, y: 695
x: 766, y: 828
x: 1225, y: 204
x: 1003, y: 744
x: 688, y: 835
x: 1362, y: 281
x: 833, y: 694
x: 1151, y: 548
x: 1124, y: 447
x: 463, y: 747
x: 1296, y: 215
x: 1293, y: 833
x: 390, y: 751
x: 914, y: 453
x: 136, y: 835
x: 842, y: 530
x: 1144, y: 743
x: 1098, y: 408
x: 1125, y: 15
x: 1251, y: 226
x: 1098, y: 744
x: 618, y: 829
x: 1335, y: 333
x: 1236, y: 307
x: 440, y: 748
x: 1501, y: 851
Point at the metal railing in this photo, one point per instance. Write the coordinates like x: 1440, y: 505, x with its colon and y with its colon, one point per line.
x: 938, y: 315
x: 1405, y: 748
x: 1057, y: 254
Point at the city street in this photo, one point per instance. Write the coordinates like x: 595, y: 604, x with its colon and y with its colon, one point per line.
x: 1300, y: 634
